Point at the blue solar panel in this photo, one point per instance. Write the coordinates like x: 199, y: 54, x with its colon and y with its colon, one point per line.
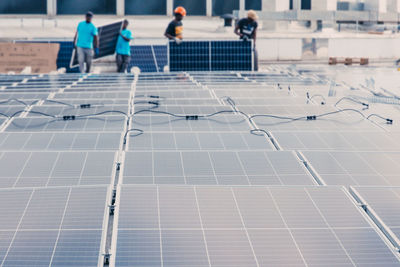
x: 189, y: 56
x: 210, y: 56
x: 149, y: 58
x: 142, y: 57
x: 161, y: 53
x: 231, y: 55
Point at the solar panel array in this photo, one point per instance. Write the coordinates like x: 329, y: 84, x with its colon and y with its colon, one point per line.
x: 149, y: 58
x: 211, y: 56
x: 196, y: 169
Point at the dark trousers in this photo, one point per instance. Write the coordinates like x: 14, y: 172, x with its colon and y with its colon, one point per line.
x: 255, y: 66
x: 123, y: 62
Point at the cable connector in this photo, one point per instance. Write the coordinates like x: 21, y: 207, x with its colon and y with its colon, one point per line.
x: 69, y: 118
x: 312, y: 118
x: 365, y: 105
x: 154, y: 103
x: 154, y: 96
x: 85, y: 106
x: 389, y: 121
x: 192, y: 117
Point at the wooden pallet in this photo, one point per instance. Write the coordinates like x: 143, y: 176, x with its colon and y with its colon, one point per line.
x: 348, y: 61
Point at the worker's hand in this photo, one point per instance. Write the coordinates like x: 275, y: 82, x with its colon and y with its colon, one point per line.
x: 178, y: 41
x: 96, y: 51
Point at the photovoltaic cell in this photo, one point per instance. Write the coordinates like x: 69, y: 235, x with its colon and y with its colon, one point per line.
x: 52, y: 227
x: 244, y: 226
x: 385, y: 202
x: 212, y: 167
x: 45, y: 169
x: 210, y: 56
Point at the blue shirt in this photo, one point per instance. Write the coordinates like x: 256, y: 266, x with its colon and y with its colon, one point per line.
x: 123, y: 47
x: 86, y: 32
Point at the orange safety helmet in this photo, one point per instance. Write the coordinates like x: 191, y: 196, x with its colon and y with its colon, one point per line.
x: 180, y: 10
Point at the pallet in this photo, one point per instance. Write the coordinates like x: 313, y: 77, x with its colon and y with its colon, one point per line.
x: 348, y: 61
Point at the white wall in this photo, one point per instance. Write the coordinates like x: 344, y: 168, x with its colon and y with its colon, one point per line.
x: 279, y: 49
x: 368, y: 47
x: 292, y: 49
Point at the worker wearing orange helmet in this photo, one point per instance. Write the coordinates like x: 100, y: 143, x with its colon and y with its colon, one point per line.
x: 174, y: 30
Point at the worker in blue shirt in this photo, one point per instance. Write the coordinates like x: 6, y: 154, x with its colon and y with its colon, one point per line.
x: 84, y: 36
x: 123, y: 49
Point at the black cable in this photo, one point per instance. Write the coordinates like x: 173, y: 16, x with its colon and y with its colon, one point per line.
x: 33, y: 112
x: 314, y: 96
x: 156, y: 103
x: 158, y: 112
x: 4, y: 115
x: 150, y: 96
x: 352, y: 100
x: 140, y: 132
x: 102, y: 113
x: 277, y: 117
x: 58, y: 102
x: 388, y: 121
x: 254, y: 132
x: 14, y: 99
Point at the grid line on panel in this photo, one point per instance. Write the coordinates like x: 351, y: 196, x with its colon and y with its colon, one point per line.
x: 17, y: 228
x: 159, y: 227
x: 212, y: 167
x: 59, y: 230
x: 202, y: 226
x: 53, y: 168
x: 268, y: 192
x: 244, y: 227
x: 183, y: 166
x: 242, y: 166
x: 330, y: 228
x: 22, y: 169
x: 83, y: 168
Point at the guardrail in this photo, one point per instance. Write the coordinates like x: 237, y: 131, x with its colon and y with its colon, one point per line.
x: 312, y: 15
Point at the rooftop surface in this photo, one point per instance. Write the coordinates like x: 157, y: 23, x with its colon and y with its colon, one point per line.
x: 295, y: 165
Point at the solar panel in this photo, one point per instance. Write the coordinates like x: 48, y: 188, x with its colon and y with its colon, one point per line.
x: 45, y: 169
x: 214, y: 167
x: 149, y: 58
x: 356, y: 168
x: 210, y: 56
x: 244, y: 226
x: 385, y: 202
x: 52, y: 227
x: 195, y: 192
x: 108, y: 37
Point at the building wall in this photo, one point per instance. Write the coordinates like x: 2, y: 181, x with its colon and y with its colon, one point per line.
x: 165, y: 7
x: 23, y: 7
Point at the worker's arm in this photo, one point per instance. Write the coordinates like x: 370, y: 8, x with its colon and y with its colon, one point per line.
x: 125, y: 38
x: 237, y: 32
x: 255, y: 35
x: 169, y: 36
x: 96, y: 41
x: 76, y: 35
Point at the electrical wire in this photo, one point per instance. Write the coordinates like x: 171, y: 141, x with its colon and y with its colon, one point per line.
x: 352, y: 100
x: 102, y: 113
x: 15, y: 100
x: 314, y: 96
x: 140, y: 132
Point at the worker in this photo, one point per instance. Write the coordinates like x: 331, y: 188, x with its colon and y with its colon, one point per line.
x: 123, y: 49
x: 83, y: 40
x: 246, y: 28
x: 174, y: 30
